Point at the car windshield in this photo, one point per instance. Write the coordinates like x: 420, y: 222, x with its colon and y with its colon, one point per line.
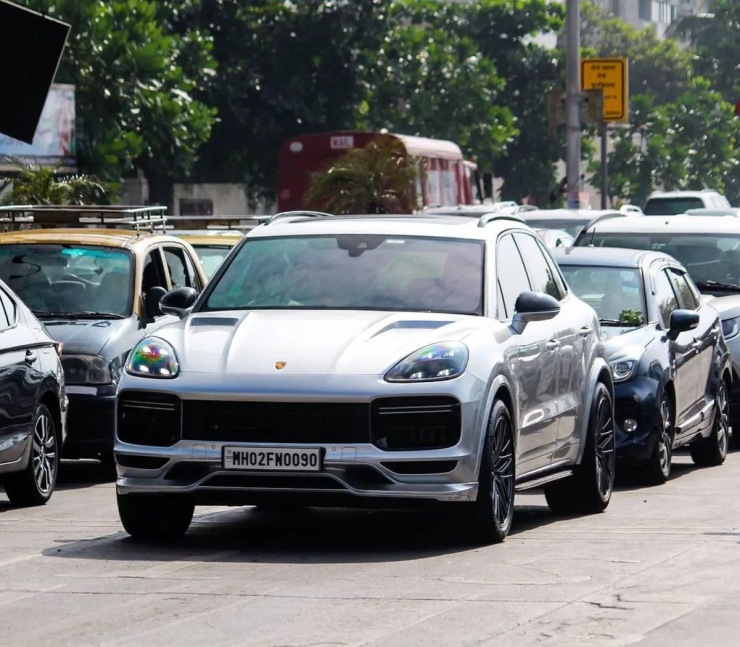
x: 671, y: 206
x: 360, y: 272
x: 211, y: 257
x: 73, y: 280
x: 615, y: 293
x: 710, y: 259
x: 573, y: 227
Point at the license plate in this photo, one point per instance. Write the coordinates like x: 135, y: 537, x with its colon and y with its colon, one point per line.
x: 259, y: 459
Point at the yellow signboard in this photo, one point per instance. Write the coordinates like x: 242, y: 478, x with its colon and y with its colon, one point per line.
x: 611, y: 76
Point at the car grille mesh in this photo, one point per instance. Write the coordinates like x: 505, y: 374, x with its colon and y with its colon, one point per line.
x: 407, y: 424
x: 148, y: 418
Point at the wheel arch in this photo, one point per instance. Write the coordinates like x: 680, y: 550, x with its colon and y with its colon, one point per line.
x: 51, y: 401
x: 600, y: 373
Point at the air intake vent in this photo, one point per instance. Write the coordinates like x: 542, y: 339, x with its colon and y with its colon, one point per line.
x: 148, y: 418
x: 405, y: 424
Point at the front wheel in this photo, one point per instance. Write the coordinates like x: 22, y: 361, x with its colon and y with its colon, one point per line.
x: 712, y: 450
x: 589, y: 490
x: 35, y: 484
x: 493, y: 511
x: 155, y: 517
x: 658, y: 467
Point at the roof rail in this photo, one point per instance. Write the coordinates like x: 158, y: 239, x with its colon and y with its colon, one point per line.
x: 216, y: 222
x: 489, y: 217
x: 30, y: 216
x: 597, y: 219
x: 298, y: 214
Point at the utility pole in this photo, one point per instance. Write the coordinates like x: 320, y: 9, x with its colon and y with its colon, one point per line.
x: 573, y: 101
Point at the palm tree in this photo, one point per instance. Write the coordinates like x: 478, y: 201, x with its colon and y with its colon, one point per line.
x: 376, y: 179
x: 42, y: 185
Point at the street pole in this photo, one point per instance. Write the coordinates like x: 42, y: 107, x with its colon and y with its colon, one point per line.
x: 604, y: 162
x: 573, y: 101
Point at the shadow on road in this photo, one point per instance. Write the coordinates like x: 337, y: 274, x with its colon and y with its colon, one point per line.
x: 75, y: 474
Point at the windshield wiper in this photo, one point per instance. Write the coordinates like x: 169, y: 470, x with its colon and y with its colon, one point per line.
x: 716, y: 285
x: 85, y: 314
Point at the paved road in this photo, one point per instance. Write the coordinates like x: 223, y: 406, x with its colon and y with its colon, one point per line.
x: 660, y: 567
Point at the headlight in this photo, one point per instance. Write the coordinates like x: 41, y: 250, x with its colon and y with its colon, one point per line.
x: 442, y: 361
x: 86, y: 369
x: 153, y: 357
x: 623, y: 369
x: 731, y: 327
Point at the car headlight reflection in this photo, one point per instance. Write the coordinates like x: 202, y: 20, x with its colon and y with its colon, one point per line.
x: 731, y: 327
x: 153, y: 357
x: 86, y: 369
x: 622, y: 369
x: 442, y: 361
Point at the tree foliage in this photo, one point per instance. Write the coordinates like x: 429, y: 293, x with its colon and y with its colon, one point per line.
x: 378, y: 178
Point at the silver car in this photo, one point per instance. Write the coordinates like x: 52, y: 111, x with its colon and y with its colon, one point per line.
x: 376, y: 360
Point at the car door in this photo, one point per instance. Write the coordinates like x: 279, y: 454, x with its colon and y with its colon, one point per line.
x: 20, y: 376
x: 705, y: 334
x: 683, y: 353
x: 532, y: 358
x: 180, y: 268
x: 567, y: 356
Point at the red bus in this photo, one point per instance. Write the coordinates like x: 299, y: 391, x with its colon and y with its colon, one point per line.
x: 443, y: 178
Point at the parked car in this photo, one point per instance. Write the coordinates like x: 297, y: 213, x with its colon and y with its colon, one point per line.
x: 709, y: 249
x: 97, y: 292
x: 211, y: 246
x: 372, y: 360
x: 670, y: 363
x: 33, y: 405
x: 727, y: 211
x: 671, y: 203
x: 555, y: 237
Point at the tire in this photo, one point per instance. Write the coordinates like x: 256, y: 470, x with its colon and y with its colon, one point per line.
x: 712, y: 450
x: 589, y: 490
x: 492, y: 513
x: 35, y: 484
x: 155, y: 517
x: 658, y: 467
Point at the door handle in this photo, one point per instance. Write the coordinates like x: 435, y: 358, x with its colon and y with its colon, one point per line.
x: 552, y: 344
x: 585, y: 331
x: 31, y: 357
x: 715, y: 330
x: 696, y: 344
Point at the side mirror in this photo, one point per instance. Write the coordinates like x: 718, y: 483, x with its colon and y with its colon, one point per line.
x: 179, y: 301
x: 151, y: 302
x: 533, y: 306
x: 681, y: 321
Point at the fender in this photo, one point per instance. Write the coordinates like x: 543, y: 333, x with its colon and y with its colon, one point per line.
x: 598, y: 367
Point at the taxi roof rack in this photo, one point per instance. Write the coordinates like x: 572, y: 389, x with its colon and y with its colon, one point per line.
x: 139, y: 218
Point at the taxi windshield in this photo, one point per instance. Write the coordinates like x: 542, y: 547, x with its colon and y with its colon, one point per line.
x: 69, y: 280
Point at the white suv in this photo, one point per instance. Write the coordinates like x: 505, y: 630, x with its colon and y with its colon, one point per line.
x: 670, y: 203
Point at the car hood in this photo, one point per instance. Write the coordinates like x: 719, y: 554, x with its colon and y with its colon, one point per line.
x: 307, y: 342
x: 619, y: 340
x: 83, y: 336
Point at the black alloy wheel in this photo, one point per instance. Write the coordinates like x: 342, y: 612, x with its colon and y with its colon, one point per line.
x: 712, y: 450
x: 658, y: 467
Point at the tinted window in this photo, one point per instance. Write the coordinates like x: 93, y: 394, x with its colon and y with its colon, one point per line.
x: 541, y: 277
x: 512, y: 276
x: 556, y: 274
x: 153, y: 275
x: 686, y: 297
x: 665, y: 297
x: 671, y: 206
x: 615, y: 293
x: 179, y: 274
x: 354, y: 271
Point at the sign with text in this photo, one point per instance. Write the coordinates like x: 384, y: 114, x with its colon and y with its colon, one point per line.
x: 611, y: 76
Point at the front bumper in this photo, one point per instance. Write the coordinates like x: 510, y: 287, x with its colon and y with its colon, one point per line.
x: 353, y: 473
x: 637, y: 400
x: 90, y: 424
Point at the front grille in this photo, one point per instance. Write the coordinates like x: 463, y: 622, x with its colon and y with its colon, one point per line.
x: 149, y: 418
x: 407, y: 424
x: 276, y: 422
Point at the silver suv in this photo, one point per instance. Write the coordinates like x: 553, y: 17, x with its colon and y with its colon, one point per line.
x: 670, y: 203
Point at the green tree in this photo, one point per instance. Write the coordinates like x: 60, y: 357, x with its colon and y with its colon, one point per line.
x: 43, y: 185
x: 137, y: 73
x: 376, y: 179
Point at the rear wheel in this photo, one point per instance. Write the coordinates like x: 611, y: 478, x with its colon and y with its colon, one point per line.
x: 492, y: 513
x: 155, y: 517
x: 712, y: 450
x: 590, y: 488
x: 35, y: 484
x: 658, y: 467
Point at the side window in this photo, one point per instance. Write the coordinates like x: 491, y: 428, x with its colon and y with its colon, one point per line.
x: 511, y: 275
x: 181, y: 272
x: 557, y: 276
x: 540, y: 275
x: 7, y: 311
x: 665, y: 297
x: 153, y: 272
x: 686, y: 297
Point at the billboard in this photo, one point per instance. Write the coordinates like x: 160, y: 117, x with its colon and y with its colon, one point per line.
x: 54, y: 140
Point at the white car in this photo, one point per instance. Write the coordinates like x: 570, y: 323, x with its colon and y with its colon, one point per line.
x: 370, y: 360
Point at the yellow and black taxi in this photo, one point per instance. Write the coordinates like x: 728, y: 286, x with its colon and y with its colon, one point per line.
x: 94, y: 276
